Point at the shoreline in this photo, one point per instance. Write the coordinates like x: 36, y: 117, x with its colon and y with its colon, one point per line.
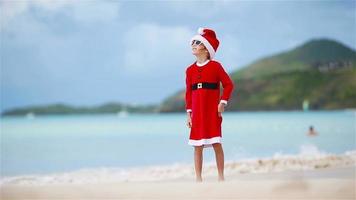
x: 254, y: 166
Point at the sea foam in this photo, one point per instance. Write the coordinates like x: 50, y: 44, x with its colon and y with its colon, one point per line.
x: 309, y: 158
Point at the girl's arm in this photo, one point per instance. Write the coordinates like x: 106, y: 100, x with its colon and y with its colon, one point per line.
x: 227, y: 83
x: 188, y: 93
x: 188, y: 99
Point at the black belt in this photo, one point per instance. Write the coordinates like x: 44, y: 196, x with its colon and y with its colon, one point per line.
x: 204, y: 85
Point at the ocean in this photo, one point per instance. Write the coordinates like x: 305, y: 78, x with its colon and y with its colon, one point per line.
x: 64, y: 143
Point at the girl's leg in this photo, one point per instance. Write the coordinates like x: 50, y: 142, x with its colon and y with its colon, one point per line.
x: 219, y: 155
x: 198, y: 162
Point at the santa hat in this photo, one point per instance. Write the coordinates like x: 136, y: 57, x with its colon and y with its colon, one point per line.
x: 208, y: 38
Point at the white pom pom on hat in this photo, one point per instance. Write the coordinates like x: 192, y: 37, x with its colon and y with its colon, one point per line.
x: 200, y: 31
x: 208, y: 38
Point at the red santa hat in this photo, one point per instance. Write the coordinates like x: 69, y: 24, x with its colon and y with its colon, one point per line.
x: 208, y: 38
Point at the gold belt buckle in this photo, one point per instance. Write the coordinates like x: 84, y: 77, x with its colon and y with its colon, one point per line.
x: 200, y: 85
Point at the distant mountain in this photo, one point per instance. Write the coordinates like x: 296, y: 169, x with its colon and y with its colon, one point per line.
x: 321, y: 72
x: 62, y: 109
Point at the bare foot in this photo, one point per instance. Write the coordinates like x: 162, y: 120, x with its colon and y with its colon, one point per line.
x: 221, y: 178
x: 199, y: 179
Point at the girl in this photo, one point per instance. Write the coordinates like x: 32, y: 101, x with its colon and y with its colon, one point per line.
x: 203, y: 102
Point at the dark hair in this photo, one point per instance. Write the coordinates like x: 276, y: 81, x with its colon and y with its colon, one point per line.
x: 208, y: 52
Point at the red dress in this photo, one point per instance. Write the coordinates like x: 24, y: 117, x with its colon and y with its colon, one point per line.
x: 203, y: 102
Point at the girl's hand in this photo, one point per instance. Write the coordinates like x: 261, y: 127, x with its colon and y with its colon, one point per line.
x: 221, y: 108
x: 189, y: 119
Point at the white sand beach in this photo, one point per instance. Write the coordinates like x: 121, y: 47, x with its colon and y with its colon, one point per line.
x: 336, y: 183
x: 288, y: 177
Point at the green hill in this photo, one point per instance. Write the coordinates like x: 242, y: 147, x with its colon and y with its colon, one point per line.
x: 322, y: 71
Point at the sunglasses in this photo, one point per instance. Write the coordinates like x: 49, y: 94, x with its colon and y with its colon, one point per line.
x: 196, y: 42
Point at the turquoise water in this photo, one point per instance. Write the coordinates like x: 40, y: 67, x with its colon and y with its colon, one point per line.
x: 47, y: 144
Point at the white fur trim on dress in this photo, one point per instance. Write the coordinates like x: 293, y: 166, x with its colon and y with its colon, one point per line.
x: 206, y: 44
x: 202, y: 64
x: 205, y: 142
x: 223, y: 101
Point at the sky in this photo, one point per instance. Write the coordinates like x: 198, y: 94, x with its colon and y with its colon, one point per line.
x: 88, y: 53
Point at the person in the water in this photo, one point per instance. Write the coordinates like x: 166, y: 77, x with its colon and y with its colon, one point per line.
x: 312, y: 132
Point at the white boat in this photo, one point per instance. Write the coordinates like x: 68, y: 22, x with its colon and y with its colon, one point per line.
x: 122, y: 113
x: 30, y: 115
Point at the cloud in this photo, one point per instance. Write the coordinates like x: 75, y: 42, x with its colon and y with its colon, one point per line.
x: 9, y: 10
x: 12, y: 9
x: 201, y: 9
x: 92, y: 12
x: 229, y: 52
x: 151, y: 47
x: 80, y: 11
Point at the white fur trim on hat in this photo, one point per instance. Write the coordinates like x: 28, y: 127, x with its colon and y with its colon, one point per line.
x: 206, y: 44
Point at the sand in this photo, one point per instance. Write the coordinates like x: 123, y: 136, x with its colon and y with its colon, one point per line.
x: 303, y: 176
x: 327, y: 183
